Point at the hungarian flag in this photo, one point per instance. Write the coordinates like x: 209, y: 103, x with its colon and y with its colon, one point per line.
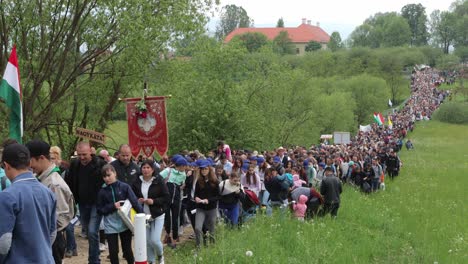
x: 379, y: 118
x: 10, y: 92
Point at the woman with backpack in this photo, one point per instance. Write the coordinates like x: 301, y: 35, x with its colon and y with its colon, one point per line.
x: 153, y: 194
x: 231, y: 191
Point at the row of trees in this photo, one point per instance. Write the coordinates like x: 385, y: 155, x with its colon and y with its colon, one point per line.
x: 262, y: 99
x: 410, y: 27
x: 444, y: 29
x: 78, y: 57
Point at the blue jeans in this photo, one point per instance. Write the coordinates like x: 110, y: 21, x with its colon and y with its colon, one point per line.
x: 70, y: 234
x: 375, y: 184
x: 153, y: 238
x: 91, y: 220
x: 264, y: 196
x: 230, y: 213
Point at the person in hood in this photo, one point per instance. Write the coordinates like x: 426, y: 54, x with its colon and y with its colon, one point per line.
x: 110, y: 198
x: 300, y: 208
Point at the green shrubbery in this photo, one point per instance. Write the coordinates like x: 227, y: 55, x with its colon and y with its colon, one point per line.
x: 453, y: 112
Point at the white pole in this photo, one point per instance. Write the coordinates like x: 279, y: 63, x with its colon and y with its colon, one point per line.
x: 140, y: 239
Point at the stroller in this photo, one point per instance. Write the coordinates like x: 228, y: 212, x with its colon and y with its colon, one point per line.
x: 249, y: 202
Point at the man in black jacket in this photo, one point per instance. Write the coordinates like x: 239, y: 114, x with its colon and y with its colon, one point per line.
x: 127, y: 170
x: 85, y: 180
x: 330, y: 190
x: 393, y: 165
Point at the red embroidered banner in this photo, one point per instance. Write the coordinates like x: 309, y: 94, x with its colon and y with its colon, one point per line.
x: 147, y: 130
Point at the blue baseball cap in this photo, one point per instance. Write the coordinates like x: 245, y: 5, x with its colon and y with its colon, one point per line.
x: 203, y: 163
x: 181, y: 162
x: 276, y: 159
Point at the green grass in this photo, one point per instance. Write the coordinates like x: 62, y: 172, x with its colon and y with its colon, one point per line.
x: 420, y: 218
x: 116, y: 134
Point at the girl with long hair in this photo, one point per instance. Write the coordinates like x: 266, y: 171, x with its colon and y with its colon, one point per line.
x: 206, y: 196
x: 153, y: 194
x: 250, y: 180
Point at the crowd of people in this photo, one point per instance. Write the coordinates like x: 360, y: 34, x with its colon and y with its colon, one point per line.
x: 41, y: 194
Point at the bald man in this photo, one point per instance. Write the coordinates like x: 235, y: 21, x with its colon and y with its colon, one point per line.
x: 85, y: 180
x: 127, y: 170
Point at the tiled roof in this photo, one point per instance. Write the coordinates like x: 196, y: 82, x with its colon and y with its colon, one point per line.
x: 301, y: 34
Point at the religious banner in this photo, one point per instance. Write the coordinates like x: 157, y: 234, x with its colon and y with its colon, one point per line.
x: 147, y: 125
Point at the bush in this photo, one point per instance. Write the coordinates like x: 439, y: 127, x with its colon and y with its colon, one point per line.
x: 453, y: 112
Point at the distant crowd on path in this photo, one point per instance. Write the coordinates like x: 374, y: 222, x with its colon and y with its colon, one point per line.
x: 42, y: 194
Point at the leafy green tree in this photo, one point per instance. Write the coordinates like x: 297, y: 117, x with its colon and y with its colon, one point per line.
x: 460, y: 10
x: 188, y: 45
x: 280, y: 23
x: 396, y: 32
x: 444, y: 30
x: 415, y: 15
x: 369, y: 93
x: 361, y: 36
x: 252, y: 41
x: 391, y: 66
x: 382, y: 30
x: 78, y: 57
x: 313, y: 46
x: 283, y: 45
x: 232, y: 17
x: 335, y: 41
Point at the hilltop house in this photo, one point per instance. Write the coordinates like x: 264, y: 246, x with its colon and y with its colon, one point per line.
x: 299, y: 36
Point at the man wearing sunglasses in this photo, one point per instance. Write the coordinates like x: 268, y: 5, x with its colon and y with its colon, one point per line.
x: 27, y: 210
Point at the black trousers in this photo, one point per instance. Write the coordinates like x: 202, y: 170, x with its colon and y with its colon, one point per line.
x: 171, y: 219
x: 125, y: 242
x: 331, y: 208
x: 392, y: 173
x: 58, y: 247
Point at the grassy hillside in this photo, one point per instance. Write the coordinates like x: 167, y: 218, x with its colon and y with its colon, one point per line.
x: 420, y: 218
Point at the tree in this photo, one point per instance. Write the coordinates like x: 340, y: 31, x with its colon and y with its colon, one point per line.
x: 78, y: 57
x: 282, y: 44
x: 335, y: 41
x: 280, y: 23
x: 443, y: 29
x: 369, y: 94
x: 232, y: 17
x: 460, y: 11
x: 253, y: 41
x: 361, y: 36
x: 391, y: 66
x: 382, y: 30
x: 415, y: 15
x: 313, y: 46
x: 396, y: 32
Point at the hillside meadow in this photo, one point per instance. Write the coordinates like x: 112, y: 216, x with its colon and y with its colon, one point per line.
x: 421, y: 217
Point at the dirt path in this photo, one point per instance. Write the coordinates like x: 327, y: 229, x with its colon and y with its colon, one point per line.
x: 82, y: 245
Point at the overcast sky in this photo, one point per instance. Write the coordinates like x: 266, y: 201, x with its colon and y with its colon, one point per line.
x: 334, y: 15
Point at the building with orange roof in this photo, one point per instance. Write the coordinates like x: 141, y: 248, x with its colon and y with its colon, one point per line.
x: 300, y: 36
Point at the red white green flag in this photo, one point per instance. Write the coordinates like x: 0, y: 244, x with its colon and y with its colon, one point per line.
x: 10, y: 92
x: 379, y: 118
